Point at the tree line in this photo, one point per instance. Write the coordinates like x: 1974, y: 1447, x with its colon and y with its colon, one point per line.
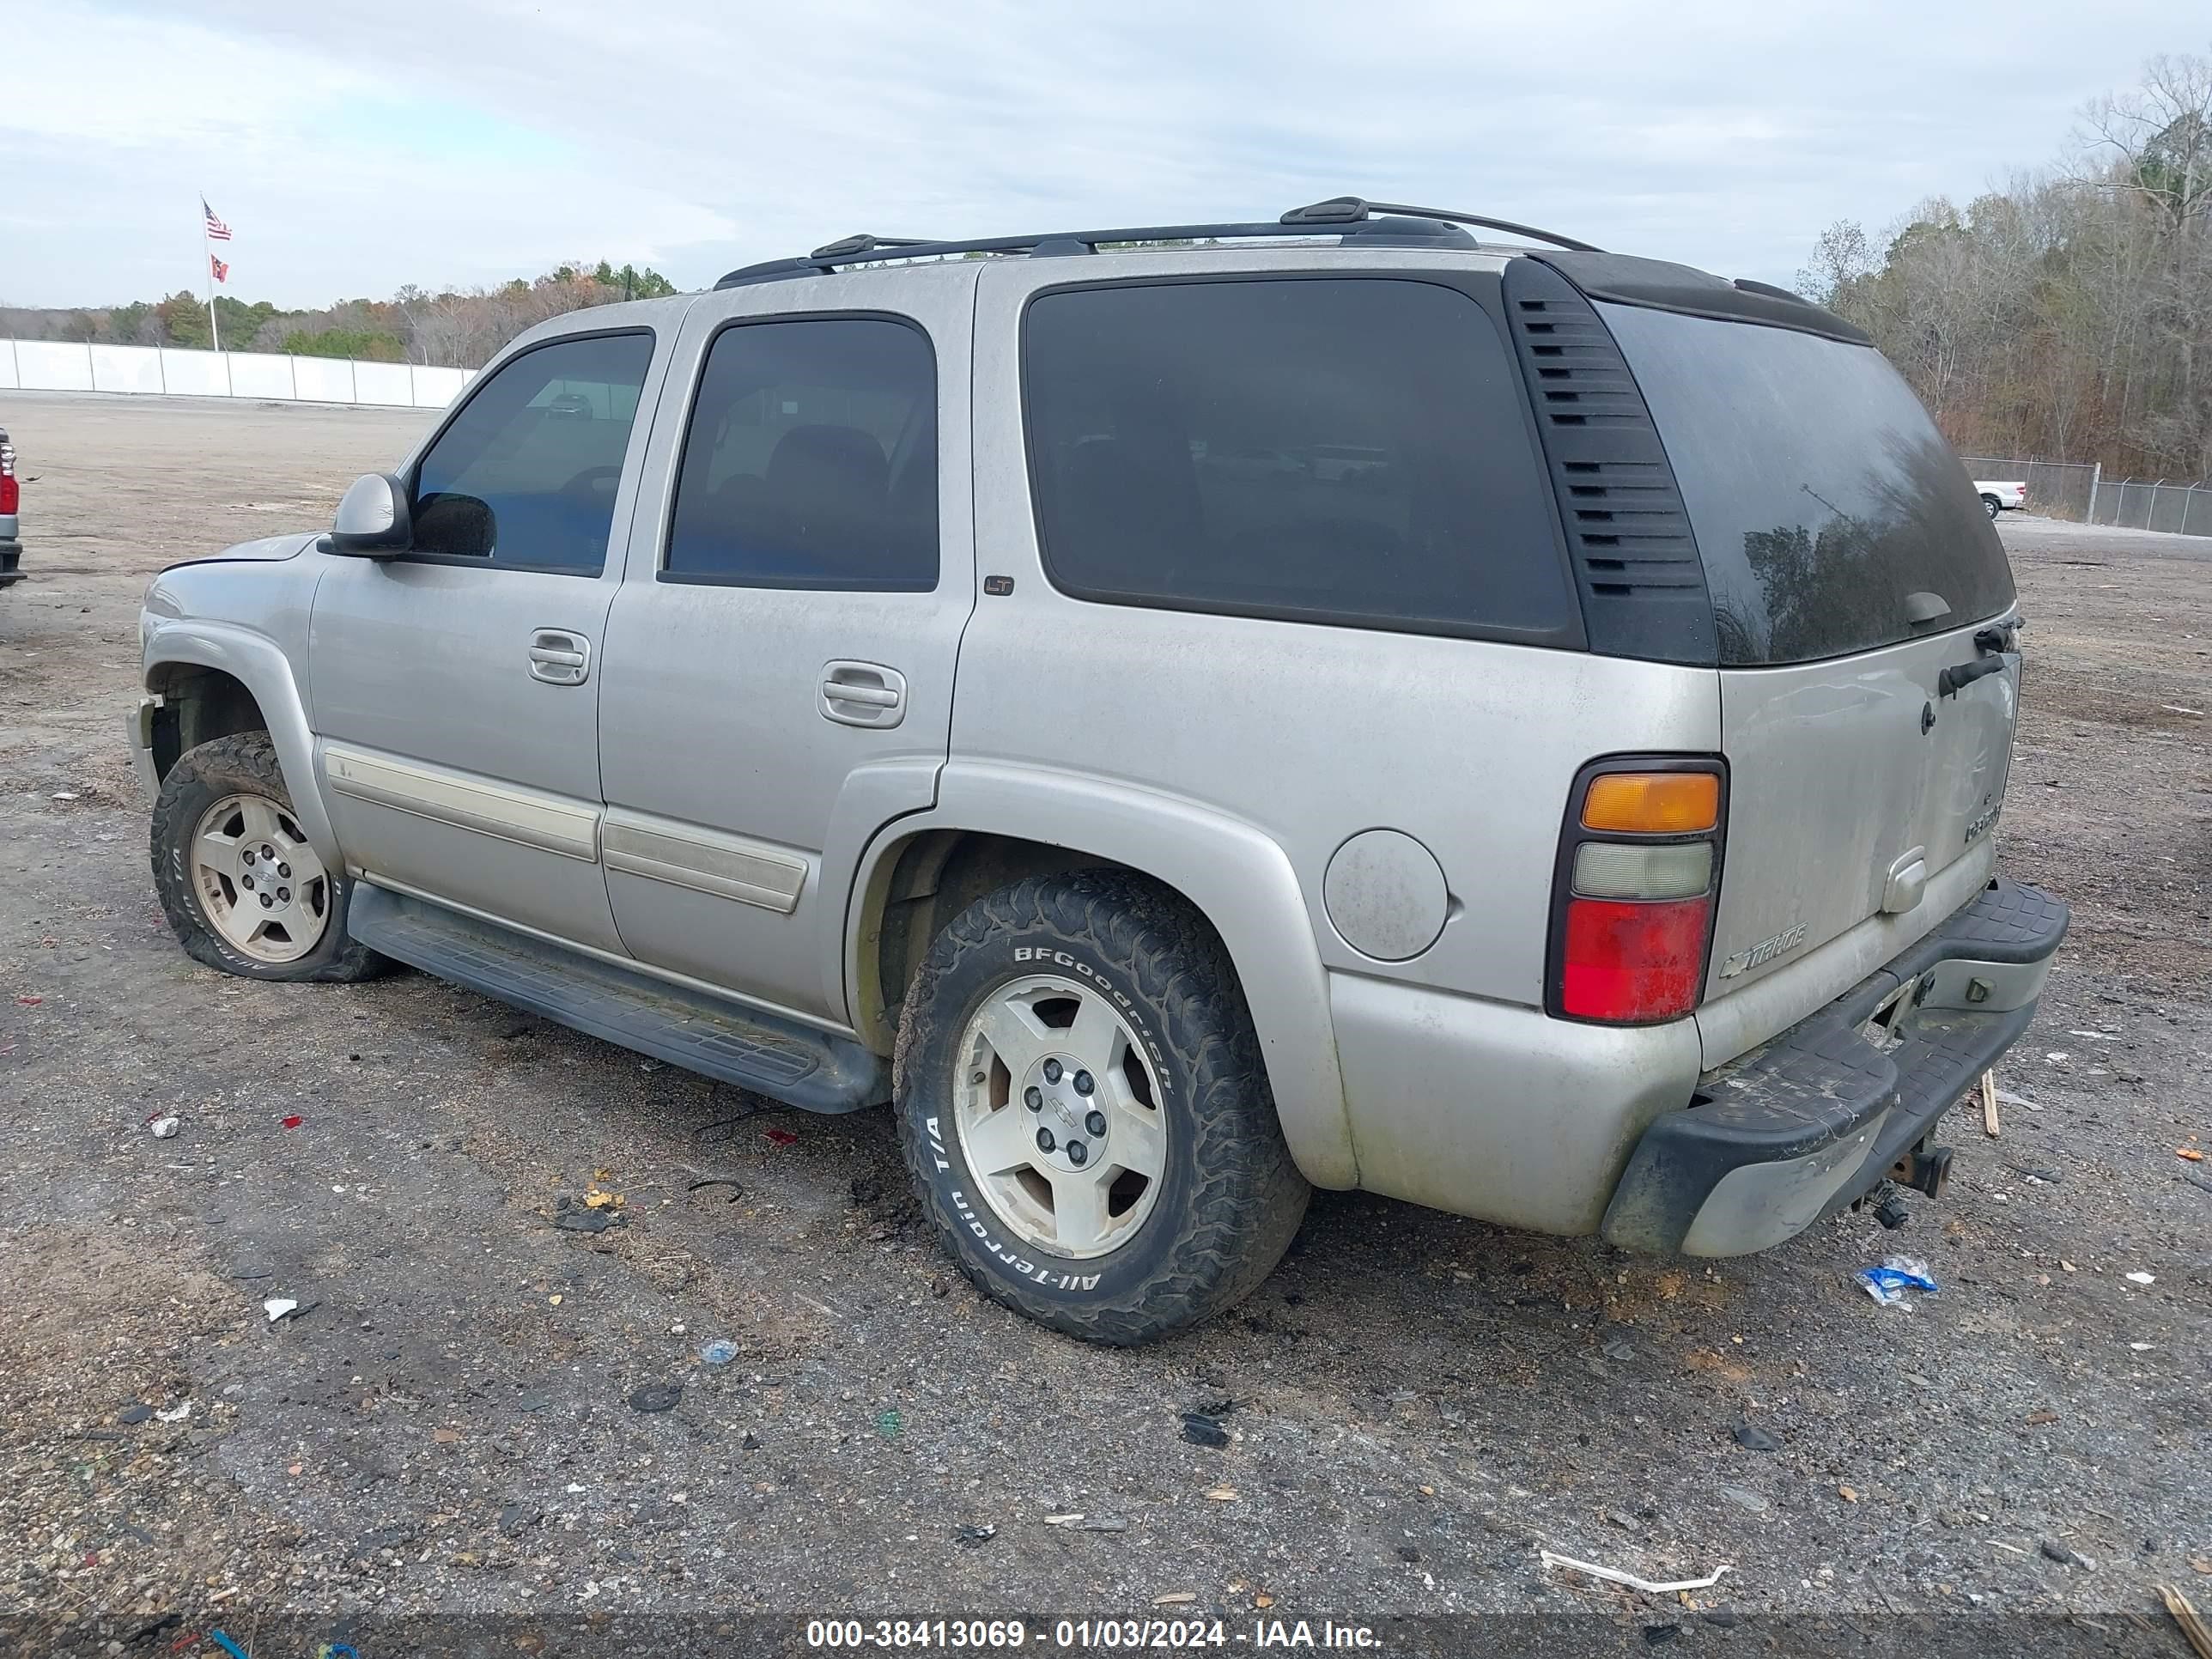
x: 456, y: 328
x: 2069, y: 316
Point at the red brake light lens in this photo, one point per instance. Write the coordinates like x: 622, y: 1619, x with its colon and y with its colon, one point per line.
x: 11, y: 494
x: 1631, y: 962
x: 1633, y: 909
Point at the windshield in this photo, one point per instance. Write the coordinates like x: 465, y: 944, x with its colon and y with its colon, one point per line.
x: 1824, y: 501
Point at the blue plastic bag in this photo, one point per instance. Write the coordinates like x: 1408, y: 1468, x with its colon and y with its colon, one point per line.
x: 1888, y: 1283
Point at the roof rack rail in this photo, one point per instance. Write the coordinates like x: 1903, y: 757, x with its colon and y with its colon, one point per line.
x: 1316, y: 220
x: 1351, y: 210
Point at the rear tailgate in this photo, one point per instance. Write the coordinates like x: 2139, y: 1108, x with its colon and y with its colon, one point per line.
x: 1854, y: 573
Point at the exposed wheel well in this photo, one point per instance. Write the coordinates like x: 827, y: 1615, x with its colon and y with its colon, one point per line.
x: 199, y: 705
x: 932, y: 878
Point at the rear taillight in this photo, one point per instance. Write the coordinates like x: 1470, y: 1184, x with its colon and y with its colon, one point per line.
x: 11, y: 487
x: 1632, y: 906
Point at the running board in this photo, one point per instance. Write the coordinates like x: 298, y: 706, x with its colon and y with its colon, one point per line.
x: 770, y: 1055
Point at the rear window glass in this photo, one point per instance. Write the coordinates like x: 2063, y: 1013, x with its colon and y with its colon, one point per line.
x: 1822, y: 497
x: 812, y: 459
x: 1351, y: 451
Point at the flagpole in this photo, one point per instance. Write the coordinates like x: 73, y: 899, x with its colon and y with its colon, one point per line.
x: 207, y: 263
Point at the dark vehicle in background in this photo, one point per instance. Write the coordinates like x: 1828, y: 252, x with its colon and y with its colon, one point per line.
x: 11, y: 491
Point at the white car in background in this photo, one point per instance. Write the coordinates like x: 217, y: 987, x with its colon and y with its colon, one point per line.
x: 2000, y: 498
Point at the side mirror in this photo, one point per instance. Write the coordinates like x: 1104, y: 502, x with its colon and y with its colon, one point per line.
x: 373, y: 519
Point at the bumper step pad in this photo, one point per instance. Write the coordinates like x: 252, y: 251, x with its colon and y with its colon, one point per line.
x: 1805, y: 1095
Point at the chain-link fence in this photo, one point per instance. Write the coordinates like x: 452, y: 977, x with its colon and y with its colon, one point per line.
x: 2186, y: 509
x: 2064, y: 490
x: 2080, y: 490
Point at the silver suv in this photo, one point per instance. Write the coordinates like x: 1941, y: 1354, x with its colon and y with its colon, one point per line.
x: 1184, y: 713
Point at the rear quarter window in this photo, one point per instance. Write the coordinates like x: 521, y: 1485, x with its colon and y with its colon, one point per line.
x: 1822, y: 497
x: 1353, y: 451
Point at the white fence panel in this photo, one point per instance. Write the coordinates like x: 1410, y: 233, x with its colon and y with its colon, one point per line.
x: 436, y: 387
x: 69, y: 366
x: 261, y: 375
x: 194, y: 374
x: 126, y: 368
x: 53, y: 365
x: 323, y: 380
x: 383, y: 383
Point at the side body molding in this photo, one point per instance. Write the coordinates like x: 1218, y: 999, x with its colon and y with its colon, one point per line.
x: 258, y: 664
x: 1236, y: 874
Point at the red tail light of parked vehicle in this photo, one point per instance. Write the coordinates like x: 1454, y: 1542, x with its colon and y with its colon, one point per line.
x: 11, y: 487
x: 1633, y: 906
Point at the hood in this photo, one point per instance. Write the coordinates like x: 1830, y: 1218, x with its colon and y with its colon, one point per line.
x: 267, y: 548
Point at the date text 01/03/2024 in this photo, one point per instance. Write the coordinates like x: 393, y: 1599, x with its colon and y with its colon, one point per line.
x: 1085, y: 1634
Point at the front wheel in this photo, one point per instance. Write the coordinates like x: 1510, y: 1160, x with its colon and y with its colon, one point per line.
x: 1083, y: 1106
x: 1993, y: 504
x: 240, y: 886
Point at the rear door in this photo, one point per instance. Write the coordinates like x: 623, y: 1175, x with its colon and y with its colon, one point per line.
x: 779, y: 663
x: 1851, y: 568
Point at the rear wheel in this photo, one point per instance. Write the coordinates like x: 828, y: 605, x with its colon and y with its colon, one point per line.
x: 1993, y: 504
x: 241, y: 886
x: 1082, y: 1103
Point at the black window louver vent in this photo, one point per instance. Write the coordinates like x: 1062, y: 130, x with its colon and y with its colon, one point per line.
x: 1643, y: 586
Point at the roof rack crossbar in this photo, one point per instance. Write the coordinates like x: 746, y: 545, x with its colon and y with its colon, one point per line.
x: 1321, y: 219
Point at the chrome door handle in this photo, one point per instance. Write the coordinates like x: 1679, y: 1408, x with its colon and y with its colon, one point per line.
x: 560, y: 658
x: 862, y: 694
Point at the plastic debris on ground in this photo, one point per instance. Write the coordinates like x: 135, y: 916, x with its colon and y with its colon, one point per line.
x: 1202, y: 1430
x: 2142, y: 1278
x: 292, y: 1122
x: 656, y: 1397
x: 720, y: 1351
x: 1888, y: 1283
x: 975, y: 1534
x: 175, y: 1413
x: 781, y: 1137
x: 1615, y: 1576
x: 278, y: 1306
x: 890, y: 1424
x: 1080, y: 1522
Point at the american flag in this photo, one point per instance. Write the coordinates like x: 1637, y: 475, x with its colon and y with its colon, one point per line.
x: 221, y: 271
x: 217, y: 231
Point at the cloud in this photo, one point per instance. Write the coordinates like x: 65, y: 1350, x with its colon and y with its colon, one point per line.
x: 356, y: 147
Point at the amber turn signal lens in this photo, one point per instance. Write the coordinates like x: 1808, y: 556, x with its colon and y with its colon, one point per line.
x: 1653, y: 803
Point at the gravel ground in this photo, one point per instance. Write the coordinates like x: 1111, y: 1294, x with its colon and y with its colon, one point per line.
x: 1415, y: 1404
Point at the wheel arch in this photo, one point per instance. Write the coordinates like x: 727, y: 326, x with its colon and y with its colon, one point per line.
x: 215, y: 680
x: 994, y: 825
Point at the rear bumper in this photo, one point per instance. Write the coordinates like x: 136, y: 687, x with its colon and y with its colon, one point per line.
x: 1811, y: 1120
x: 11, y: 561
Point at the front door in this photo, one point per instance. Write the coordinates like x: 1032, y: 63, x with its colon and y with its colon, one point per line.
x: 779, y: 662
x: 456, y: 687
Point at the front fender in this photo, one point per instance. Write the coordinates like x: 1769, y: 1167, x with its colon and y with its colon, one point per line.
x: 1236, y: 875
x: 260, y: 665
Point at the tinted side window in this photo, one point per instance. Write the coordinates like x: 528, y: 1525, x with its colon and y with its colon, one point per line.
x: 1335, y: 450
x: 812, y: 459
x: 1823, y: 498
x: 527, y: 473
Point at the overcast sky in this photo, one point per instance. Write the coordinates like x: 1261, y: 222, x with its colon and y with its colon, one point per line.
x: 355, y: 148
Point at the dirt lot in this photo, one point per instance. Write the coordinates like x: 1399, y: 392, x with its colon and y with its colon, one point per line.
x: 1419, y: 1403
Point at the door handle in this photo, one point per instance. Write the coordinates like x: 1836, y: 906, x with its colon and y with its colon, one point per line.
x: 862, y: 694
x: 560, y: 658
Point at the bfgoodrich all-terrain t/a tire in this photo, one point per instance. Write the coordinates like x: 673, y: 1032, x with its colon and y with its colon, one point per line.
x: 240, y: 886
x: 1082, y: 1103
